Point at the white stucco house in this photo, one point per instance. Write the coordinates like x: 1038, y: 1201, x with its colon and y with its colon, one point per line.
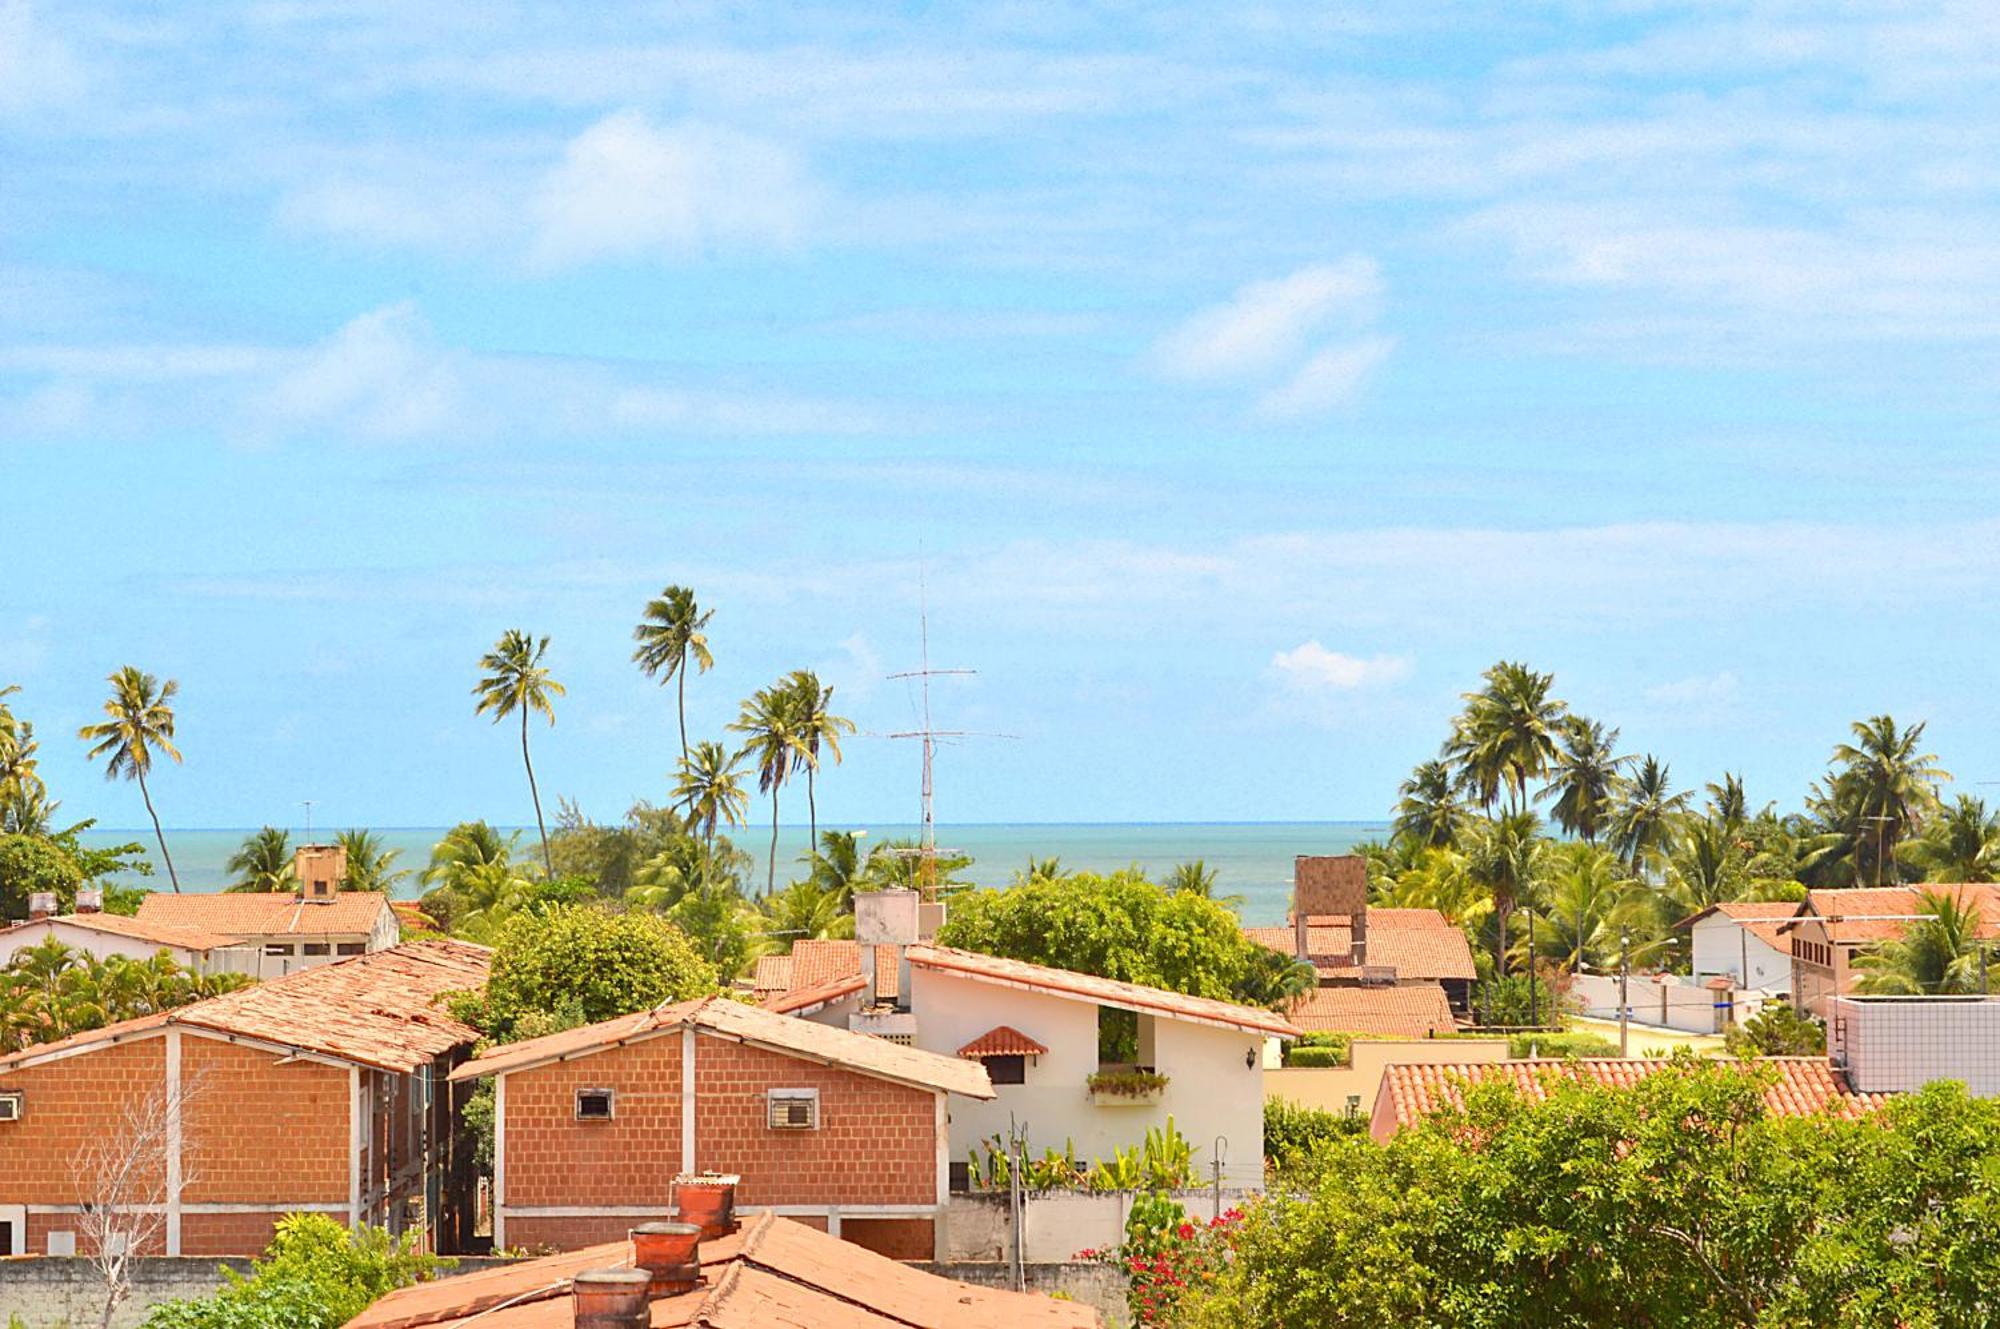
x: 1740, y: 941
x: 1036, y: 1030
x: 101, y: 936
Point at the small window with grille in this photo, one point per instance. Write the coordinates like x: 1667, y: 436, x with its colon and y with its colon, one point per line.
x: 594, y: 1104
x: 794, y: 1109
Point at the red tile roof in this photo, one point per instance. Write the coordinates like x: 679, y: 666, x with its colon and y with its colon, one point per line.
x: 815, y: 962
x: 378, y: 1010
x: 1002, y: 1041
x: 1412, y: 1010
x: 749, y: 1024
x: 260, y: 914
x: 804, y: 1001
x: 1881, y: 913
x: 777, y: 1273
x: 1417, y: 943
x: 1103, y: 991
x: 1762, y: 919
x: 158, y: 934
x: 1411, y: 1091
x: 772, y: 974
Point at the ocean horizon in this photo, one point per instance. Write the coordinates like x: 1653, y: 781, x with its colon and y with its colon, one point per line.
x: 1251, y: 859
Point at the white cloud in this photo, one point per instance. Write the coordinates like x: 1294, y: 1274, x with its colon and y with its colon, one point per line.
x: 1312, y: 667
x: 1330, y: 378
x: 684, y: 411
x: 628, y: 189
x: 1266, y: 324
x: 383, y: 376
x: 36, y: 67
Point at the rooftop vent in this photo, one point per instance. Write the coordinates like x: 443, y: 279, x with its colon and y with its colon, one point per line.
x: 320, y: 869
x: 90, y: 900
x: 671, y: 1253
x: 612, y: 1299
x: 41, y: 905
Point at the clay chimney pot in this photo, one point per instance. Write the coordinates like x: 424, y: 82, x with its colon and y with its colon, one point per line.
x: 708, y: 1201
x: 671, y: 1253
x: 612, y: 1299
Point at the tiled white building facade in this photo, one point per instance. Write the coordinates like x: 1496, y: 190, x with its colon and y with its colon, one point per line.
x: 1897, y: 1044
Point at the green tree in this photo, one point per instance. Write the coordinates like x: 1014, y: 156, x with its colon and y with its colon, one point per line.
x: 1727, y: 805
x: 1591, y: 901
x: 837, y: 865
x: 1507, y: 733
x: 1589, y: 778
x: 25, y: 808
x: 30, y: 864
x: 815, y: 727
x: 316, y: 1275
x: 1962, y: 843
x: 1644, y: 825
x: 140, y: 723
x: 1428, y: 811
x: 471, y: 871
x: 263, y: 862
x: 900, y: 864
x: 1939, y: 953
x: 515, y: 679
x: 770, y: 723
x: 710, y: 788
x: 1778, y: 1030
x: 1195, y: 877
x: 371, y: 865
x: 1503, y: 856
x: 1881, y: 790
x: 49, y: 991
x: 669, y: 633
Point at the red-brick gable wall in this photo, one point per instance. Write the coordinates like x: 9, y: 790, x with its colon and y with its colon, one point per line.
x: 258, y: 1132
x: 67, y: 1106
x: 876, y: 1142
x: 554, y: 1159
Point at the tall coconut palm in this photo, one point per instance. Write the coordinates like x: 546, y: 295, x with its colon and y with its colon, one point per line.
x: 1962, y: 843
x: 1428, y: 812
x: 141, y: 723
x: 1507, y: 733
x: 710, y: 788
x: 670, y: 632
x: 1591, y: 900
x: 1883, y: 788
x: 371, y: 865
x: 1643, y: 827
x: 263, y: 862
x: 1727, y: 804
x: 1588, y: 780
x: 1938, y: 954
x: 517, y: 680
x: 769, y: 722
x: 815, y: 727
x: 1504, y: 858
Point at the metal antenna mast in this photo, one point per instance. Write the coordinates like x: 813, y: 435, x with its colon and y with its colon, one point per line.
x: 928, y: 736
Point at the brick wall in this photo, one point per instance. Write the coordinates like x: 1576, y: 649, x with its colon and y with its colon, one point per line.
x: 554, y: 1159
x: 876, y: 1142
x: 570, y: 1233
x: 231, y: 1234
x: 69, y: 1104
x: 258, y: 1132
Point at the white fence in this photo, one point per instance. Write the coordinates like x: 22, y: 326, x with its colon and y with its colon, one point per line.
x: 1668, y: 1001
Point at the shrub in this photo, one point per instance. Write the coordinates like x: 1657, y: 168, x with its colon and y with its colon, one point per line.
x: 1165, y: 1254
x: 1127, y: 1084
x: 1311, y: 1057
x: 1777, y: 1031
x: 1551, y: 1047
x: 316, y: 1275
x: 1294, y: 1132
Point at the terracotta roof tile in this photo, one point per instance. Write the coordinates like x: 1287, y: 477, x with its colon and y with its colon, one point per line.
x: 806, y: 1000
x: 1412, y: 1010
x: 1805, y: 1085
x: 1417, y: 943
x: 1104, y: 991
x: 751, y: 1024
x: 1003, y: 1041
x: 1861, y: 915
x: 162, y: 934
x: 776, y: 1273
x: 815, y: 961
x: 257, y: 914
x: 773, y: 974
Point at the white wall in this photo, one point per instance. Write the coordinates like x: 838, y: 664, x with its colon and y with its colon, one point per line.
x: 1666, y: 1000
x: 1897, y: 1044
x: 101, y: 945
x: 1209, y: 1092
x: 1721, y: 945
x: 1058, y: 1224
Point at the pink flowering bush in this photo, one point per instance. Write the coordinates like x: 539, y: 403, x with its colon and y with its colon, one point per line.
x: 1165, y: 1253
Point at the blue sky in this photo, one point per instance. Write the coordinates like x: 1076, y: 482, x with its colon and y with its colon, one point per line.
x: 1243, y: 379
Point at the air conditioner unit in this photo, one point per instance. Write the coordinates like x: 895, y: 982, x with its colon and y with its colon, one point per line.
x: 10, y: 1107
x: 794, y: 1109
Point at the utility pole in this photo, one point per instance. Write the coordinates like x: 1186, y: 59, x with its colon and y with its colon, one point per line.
x: 1624, y: 979
x: 1534, y: 1011
x: 1017, y: 1151
x: 1221, y: 1148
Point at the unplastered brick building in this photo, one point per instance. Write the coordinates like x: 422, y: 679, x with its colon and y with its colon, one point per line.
x: 323, y: 1092
x: 839, y: 1130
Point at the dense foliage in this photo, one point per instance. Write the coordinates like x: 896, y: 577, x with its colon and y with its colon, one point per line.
x: 50, y: 991
x: 1166, y: 1255
x: 316, y: 1275
x: 1294, y: 1133
x: 1679, y: 1202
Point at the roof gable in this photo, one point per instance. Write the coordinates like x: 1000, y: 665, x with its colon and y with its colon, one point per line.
x: 1100, y: 991
x: 1411, y: 1010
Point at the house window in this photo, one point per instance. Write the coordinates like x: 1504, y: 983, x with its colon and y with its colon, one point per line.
x: 351, y: 948
x: 10, y: 1107
x: 1007, y: 1070
x: 317, y: 948
x: 793, y: 1109
x: 277, y: 948
x: 593, y: 1104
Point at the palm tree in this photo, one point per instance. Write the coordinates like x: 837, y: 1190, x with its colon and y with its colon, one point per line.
x: 370, y: 864
x: 710, y: 788
x: 471, y: 877
x: 1726, y: 803
x: 1504, y: 858
x: 263, y: 863
x: 814, y: 726
x: 1192, y: 878
x: 670, y: 632
x: 1961, y: 844
x: 805, y: 910
x: 1507, y: 734
x: 1706, y: 868
x: 1588, y: 778
x: 141, y: 723
x: 516, y: 680
x: 836, y: 866
x: 1428, y: 812
x: 1938, y: 954
x: 1591, y: 901
x: 1643, y: 826
x: 1882, y: 789
x: 769, y: 719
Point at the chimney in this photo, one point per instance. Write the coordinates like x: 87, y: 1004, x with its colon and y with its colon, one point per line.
x: 671, y: 1253
x: 708, y: 1201
x: 320, y: 868
x: 612, y: 1299
x: 1331, y: 886
x: 888, y: 918
x: 90, y: 900
x: 41, y: 905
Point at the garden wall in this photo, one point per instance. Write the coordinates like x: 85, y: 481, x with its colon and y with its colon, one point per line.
x: 1058, y: 1223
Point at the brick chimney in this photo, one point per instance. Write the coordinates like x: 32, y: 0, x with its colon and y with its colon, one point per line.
x: 612, y: 1299
x: 671, y: 1254
x: 41, y: 905
x: 90, y: 900
x: 708, y: 1201
x: 1330, y: 886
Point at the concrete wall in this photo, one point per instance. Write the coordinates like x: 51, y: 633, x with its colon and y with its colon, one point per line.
x: 1336, y: 1088
x: 1671, y: 1001
x: 1087, y: 1283
x: 1897, y: 1044
x: 1058, y: 1223
x: 1210, y: 1091
x: 1722, y: 946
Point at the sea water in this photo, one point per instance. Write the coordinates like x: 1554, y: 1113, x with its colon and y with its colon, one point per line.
x: 1252, y: 860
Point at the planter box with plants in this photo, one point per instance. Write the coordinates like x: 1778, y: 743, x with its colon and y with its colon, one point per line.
x: 1133, y: 1088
